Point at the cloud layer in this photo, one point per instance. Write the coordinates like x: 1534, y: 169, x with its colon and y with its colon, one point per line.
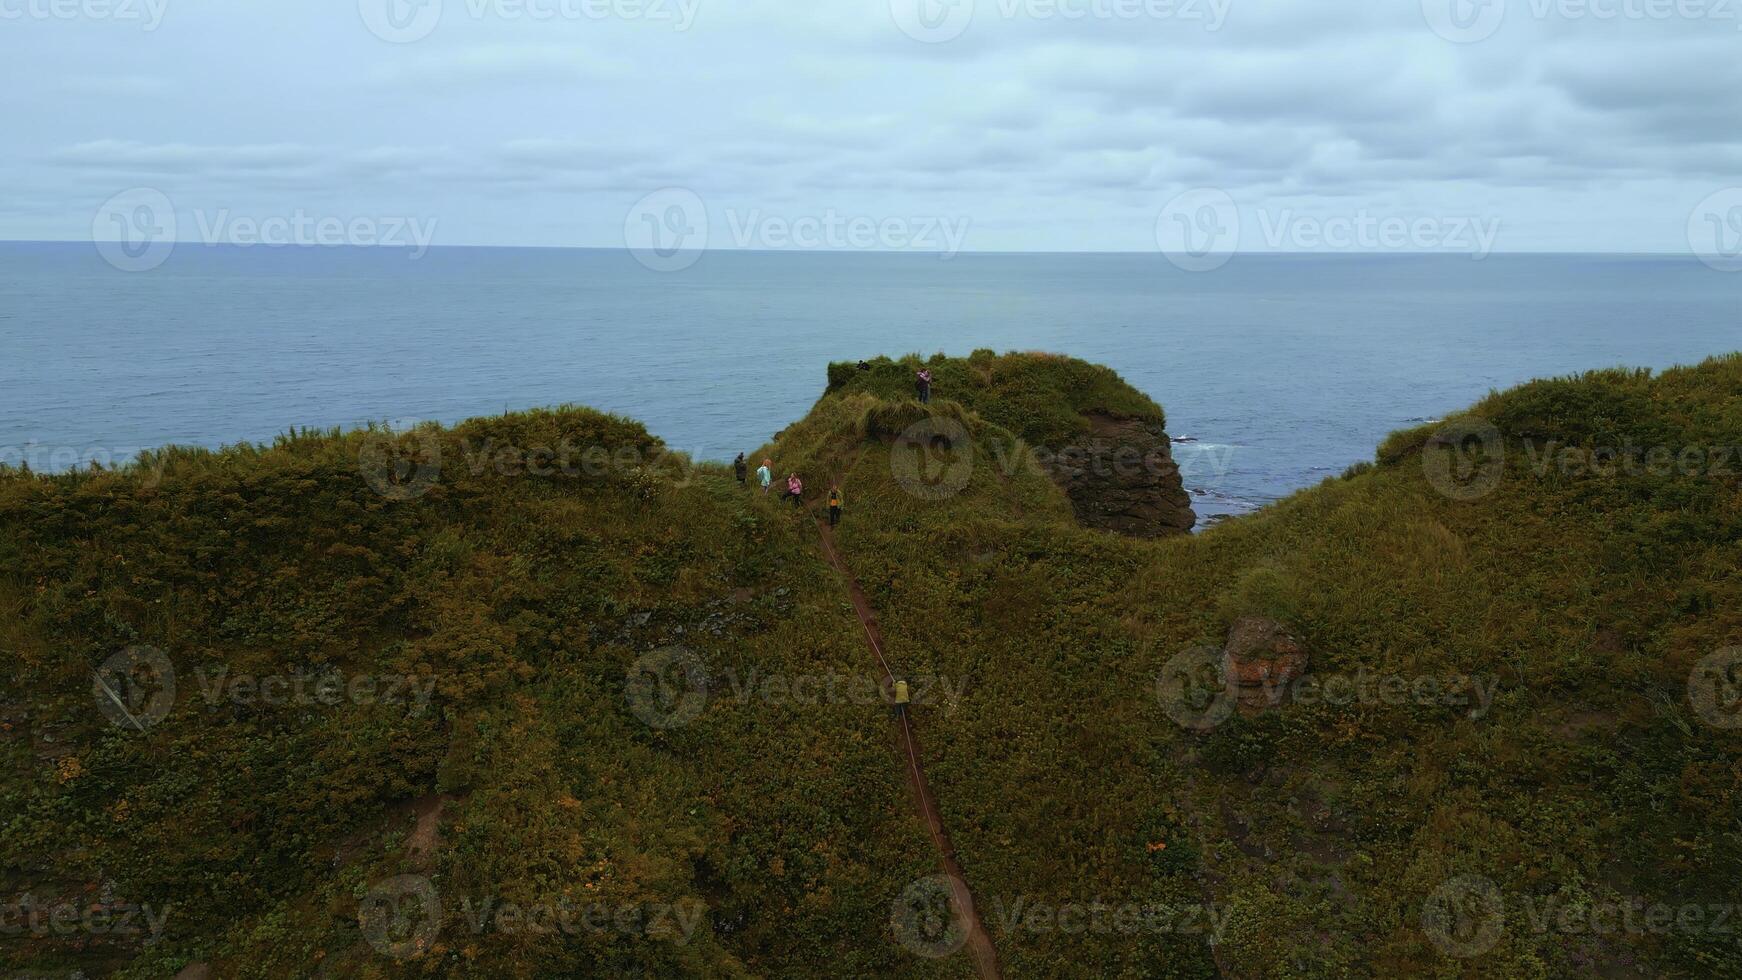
x: 1041, y: 124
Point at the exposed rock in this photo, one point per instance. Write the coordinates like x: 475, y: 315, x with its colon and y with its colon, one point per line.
x: 1263, y: 658
x: 1121, y: 477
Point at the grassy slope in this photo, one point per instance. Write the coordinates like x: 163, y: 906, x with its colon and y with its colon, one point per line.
x: 1320, y: 828
x: 527, y: 599
x: 1325, y: 827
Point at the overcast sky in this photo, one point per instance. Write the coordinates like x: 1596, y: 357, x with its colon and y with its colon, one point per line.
x: 986, y: 124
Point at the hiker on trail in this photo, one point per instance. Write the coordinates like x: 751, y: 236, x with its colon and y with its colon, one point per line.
x: 834, y: 505
x: 740, y: 468
x: 922, y: 383
x: 765, y: 474
x: 795, y: 489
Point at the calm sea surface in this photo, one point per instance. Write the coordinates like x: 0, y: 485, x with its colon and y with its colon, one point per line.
x: 1284, y: 369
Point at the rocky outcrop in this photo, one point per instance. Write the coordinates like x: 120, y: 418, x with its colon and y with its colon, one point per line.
x: 1121, y: 477
x: 1263, y: 659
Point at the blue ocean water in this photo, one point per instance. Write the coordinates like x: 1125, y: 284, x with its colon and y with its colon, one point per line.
x: 1284, y: 369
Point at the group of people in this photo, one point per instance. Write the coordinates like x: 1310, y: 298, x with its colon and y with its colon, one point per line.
x: 794, y: 485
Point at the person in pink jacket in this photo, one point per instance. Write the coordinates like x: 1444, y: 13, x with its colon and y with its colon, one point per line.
x: 795, y: 489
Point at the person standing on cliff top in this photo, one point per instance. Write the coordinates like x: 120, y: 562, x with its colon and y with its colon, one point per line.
x: 835, y: 505
x: 922, y: 382
x: 740, y: 468
x: 765, y: 474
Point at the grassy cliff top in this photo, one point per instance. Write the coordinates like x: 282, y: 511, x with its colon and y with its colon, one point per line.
x: 536, y: 661
x: 1040, y: 397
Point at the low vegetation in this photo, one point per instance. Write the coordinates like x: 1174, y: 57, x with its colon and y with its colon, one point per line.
x: 566, y: 663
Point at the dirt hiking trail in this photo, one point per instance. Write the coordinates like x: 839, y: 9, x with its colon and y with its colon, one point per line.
x: 978, y: 941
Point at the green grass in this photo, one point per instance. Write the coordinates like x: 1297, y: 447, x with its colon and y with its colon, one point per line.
x: 1316, y: 832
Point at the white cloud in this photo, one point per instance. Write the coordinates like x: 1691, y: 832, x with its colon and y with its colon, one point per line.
x: 1051, y: 132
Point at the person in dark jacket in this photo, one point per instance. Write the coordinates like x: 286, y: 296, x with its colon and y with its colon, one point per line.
x: 741, y: 468
x: 922, y: 384
x: 835, y: 505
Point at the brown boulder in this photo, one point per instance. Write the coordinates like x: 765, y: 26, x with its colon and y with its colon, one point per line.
x: 1262, y: 659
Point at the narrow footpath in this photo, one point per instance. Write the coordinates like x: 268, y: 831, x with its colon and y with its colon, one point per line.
x: 978, y: 941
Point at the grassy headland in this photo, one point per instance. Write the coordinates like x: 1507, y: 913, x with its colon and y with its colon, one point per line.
x: 536, y: 663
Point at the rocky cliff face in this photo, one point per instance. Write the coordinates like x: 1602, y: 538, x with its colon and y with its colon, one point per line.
x: 1121, y: 477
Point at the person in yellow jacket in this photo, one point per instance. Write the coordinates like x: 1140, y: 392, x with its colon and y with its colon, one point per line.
x: 834, y: 505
